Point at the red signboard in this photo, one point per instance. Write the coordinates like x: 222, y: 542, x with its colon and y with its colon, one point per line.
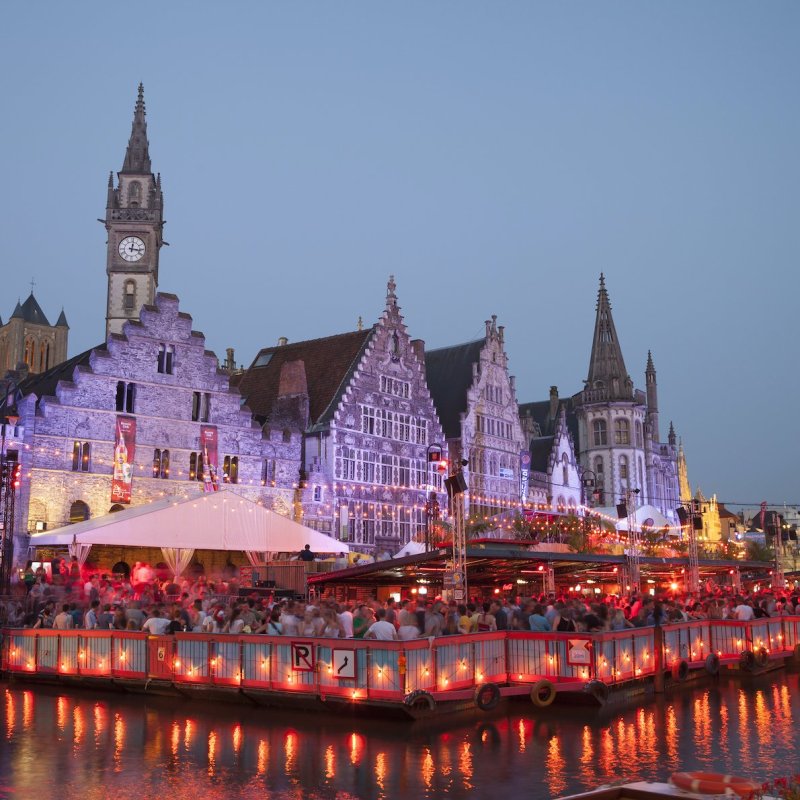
x: 124, y: 452
x: 208, y: 446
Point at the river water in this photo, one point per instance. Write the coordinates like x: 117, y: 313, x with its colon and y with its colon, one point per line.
x: 78, y: 744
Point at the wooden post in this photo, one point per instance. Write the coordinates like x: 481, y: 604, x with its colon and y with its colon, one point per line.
x: 658, y: 657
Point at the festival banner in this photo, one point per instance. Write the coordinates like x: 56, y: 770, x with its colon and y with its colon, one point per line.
x: 208, y: 447
x: 524, y: 474
x: 124, y: 452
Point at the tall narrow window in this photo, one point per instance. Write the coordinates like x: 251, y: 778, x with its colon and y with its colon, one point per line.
x: 233, y: 470
x: 205, y: 407
x: 268, y: 473
x: 129, y: 299
x: 600, y: 432
x: 193, y: 466
x: 126, y: 396
x: 622, y: 431
x: 156, y: 463
x: 80, y: 456
x: 195, y: 406
x: 164, y: 464
x: 623, y: 468
x: 166, y: 358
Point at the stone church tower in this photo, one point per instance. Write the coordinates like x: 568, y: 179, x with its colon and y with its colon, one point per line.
x: 134, y: 221
x: 618, y: 428
x: 29, y: 339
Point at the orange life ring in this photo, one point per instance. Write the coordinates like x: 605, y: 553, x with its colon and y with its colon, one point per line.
x: 714, y: 783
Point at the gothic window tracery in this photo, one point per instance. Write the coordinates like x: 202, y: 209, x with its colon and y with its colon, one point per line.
x: 600, y: 432
x: 622, y: 431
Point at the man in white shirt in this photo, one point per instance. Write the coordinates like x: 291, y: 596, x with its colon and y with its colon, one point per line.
x: 743, y: 612
x: 63, y: 621
x: 157, y: 625
x: 346, y: 618
x: 381, y: 629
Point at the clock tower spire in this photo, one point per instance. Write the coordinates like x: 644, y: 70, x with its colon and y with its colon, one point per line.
x: 134, y: 221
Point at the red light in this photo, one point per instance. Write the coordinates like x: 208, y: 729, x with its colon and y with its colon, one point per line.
x: 441, y: 466
x: 541, y: 567
x: 616, y: 569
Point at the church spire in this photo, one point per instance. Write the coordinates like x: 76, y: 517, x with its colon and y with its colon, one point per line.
x: 137, y: 156
x: 606, y: 366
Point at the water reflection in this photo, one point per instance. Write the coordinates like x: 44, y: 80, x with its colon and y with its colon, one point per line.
x: 113, y: 746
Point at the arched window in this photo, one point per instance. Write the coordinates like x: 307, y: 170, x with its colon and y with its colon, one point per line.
x: 156, y: 463
x: 564, y: 475
x: 44, y: 356
x: 230, y: 469
x: 78, y: 511
x: 622, y: 431
x: 639, y: 435
x: 129, y: 300
x: 600, y: 432
x: 30, y: 349
x: 623, y: 468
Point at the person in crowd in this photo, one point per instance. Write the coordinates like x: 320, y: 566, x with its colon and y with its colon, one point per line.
x: 63, y: 620
x: 90, y: 617
x: 381, y: 629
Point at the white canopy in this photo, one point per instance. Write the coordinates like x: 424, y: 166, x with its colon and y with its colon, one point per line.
x: 215, y: 521
x: 646, y: 516
x: 411, y: 549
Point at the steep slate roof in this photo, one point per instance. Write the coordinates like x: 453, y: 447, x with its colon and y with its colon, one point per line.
x: 540, y: 411
x: 329, y: 364
x: 44, y: 384
x: 449, y: 376
x: 540, y: 453
x: 31, y: 312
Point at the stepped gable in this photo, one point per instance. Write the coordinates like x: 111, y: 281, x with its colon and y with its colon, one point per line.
x: 449, y: 373
x: 44, y: 384
x: 329, y: 364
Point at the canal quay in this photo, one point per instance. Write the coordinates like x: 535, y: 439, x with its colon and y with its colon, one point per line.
x: 96, y: 744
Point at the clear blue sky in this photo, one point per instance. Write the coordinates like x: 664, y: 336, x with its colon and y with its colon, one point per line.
x: 496, y: 157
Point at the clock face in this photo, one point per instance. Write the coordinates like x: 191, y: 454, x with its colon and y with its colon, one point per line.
x: 131, y: 248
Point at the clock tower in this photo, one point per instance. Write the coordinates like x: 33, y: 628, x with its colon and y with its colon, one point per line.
x: 134, y: 221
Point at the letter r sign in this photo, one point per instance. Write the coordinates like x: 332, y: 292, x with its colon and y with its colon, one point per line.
x: 303, y: 656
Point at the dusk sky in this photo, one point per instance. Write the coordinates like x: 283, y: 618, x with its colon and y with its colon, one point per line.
x: 496, y: 157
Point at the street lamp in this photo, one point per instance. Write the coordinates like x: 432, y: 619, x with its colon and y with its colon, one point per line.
x: 433, y: 455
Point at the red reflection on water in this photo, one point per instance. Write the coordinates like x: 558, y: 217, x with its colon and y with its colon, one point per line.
x: 11, y: 714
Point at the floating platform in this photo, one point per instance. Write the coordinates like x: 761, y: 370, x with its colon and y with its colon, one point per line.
x: 417, y: 679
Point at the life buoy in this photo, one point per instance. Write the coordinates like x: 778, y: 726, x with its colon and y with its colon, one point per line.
x: 712, y: 664
x: 714, y: 783
x: 420, y: 700
x: 487, y: 696
x: 598, y: 690
x: 762, y: 657
x: 680, y: 670
x: 543, y: 693
x: 747, y: 661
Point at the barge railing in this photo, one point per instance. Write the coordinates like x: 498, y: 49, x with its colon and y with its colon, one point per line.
x: 446, y: 668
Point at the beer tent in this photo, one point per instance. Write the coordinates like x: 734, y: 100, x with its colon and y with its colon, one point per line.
x: 214, y: 521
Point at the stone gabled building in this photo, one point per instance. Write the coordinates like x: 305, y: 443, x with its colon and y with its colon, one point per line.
x: 185, y: 427
x: 477, y: 403
x: 361, y: 402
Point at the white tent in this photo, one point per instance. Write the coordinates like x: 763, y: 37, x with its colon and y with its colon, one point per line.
x: 411, y: 549
x: 215, y: 521
x: 645, y: 517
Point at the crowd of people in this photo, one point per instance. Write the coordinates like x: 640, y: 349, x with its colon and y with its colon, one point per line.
x: 145, y: 602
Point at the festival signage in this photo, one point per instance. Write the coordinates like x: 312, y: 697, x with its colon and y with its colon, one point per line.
x: 524, y: 474
x: 579, y: 652
x: 208, y: 447
x: 124, y: 451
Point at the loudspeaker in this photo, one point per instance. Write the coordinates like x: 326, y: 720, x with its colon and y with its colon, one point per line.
x: 622, y: 510
x: 683, y: 515
x: 456, y: 484
x: 697, y: 522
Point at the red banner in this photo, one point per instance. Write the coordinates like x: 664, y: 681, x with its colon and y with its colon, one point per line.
x: 124, y: 452
x: 208, y: 447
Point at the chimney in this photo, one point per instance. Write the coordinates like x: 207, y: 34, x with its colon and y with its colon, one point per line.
x: 418, y: 346
x: 230, y: 361
x: 553, y: 401
x: 283, y: 341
